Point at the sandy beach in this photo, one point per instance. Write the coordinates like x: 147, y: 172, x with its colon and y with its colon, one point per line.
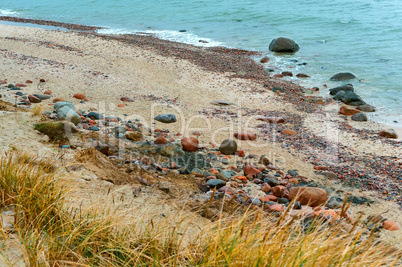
x: 165, y: 77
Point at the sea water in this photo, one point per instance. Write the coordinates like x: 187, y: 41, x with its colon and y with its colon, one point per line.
x: 361, y: 36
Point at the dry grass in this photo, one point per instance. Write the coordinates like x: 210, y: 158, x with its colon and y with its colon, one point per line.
x: 51, y: 234
x: 37, y: 110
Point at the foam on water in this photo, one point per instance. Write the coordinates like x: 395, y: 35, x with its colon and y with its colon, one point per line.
x: 175, y: 36
x: 8, y: 12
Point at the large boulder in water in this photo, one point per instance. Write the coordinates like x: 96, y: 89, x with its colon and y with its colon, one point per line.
x: 282, y: 44
x: 345, y: 87
x: 353, y: 99
x: 343, y: 76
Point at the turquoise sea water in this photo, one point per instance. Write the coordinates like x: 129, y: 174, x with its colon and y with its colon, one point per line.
x: 362, y: 36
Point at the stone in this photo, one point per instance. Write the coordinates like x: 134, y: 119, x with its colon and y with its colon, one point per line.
x: 276, y: 120
x: 276, y: 207
x: 166, y: 118
x: 344, y: 110
x: 390, y: 225
x: 66, y: 113
x: 172, y: 150
x: 272, y: 181
x: 312, y: 196
x: 288, y: 132
x: 48, y: 92
x: 134, y: 136
x: 287, y: 74
x: 283, y: 44
x: 293, y: 173
x: 228, y: 147
x: 266, y: 188
x: 264, y: 160
x: 342, y: 76
x: 359, y: 117
x: 28, y: 81
x: 79, y: 96
x: 256, y: 201
x: 95, y: 115
x: 126, y: 99
x: 334, y: 202
x: 222, y: 177
x: 33, y: 99
x: 345, y: 88
x: 302, y: 75
x: 218, y: 183
x: 366, y: 108
x: 264, y: 60
x: 278, y: 190
x: 160, y: 140
x: 283, y: 200
x: 119, y: 129
x: 389, y: 133
x: 351, y: 98
x: 190, y: 144
x: 222, y: 103
x: 61, y: 104
x: 245, y: 136
x: 250, y: 170
x: 42, y: 97
x: 297, y: 205
x: 58, y: 99
x: 267, y: 198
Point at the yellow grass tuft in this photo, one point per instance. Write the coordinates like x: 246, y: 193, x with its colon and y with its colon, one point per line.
x: 37, y: 110
x: 51, y: 234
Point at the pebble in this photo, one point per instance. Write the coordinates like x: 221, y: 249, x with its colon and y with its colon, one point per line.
x: 228, y: 147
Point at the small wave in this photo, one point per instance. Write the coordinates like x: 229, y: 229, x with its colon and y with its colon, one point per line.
x: 175, y: 36
x: 8, y: 12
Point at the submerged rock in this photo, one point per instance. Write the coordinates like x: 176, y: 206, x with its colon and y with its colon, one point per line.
x: 283, y: 44
x: 342, y: 76
x: 345, y: 87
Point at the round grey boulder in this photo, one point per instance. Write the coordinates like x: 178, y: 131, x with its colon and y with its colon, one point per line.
x: 66, y: 113
x: 342, y: 76
x: 283, y: 44
x: 61, y: 104
x: 359, y: 117
x: 166, y: 118
x: 228, y: 147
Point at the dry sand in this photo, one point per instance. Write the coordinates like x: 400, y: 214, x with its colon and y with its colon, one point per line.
x: 106, y: 70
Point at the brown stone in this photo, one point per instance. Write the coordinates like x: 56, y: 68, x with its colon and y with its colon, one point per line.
x: 190, y: 144
x: 266, y: 188
x: 278, y: 190
x: 160, y: 140
x: 28, y: 81
x: 245, y: 136
x: 344, y: 110
x: 272, y: 119
x: 264, y: 60
x: 121, y: 105
x: 390, y: 133
x: 302, y: 75
x: 278, y: 75
x: 126, y: 99
x: 58, y: 99
x: 288, y: 132
x: 390, y: 225
x: 287, y: 73
x: 135, y: 136
x: 312, y: 196
x: 79, y: 96
x: 48, y: 92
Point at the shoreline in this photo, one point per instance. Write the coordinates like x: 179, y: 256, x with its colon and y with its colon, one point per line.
x: 237, y: 65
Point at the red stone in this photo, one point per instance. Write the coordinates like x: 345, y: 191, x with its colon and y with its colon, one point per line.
x: 344, y: 110
x: 276, y: 207
x: 42, y: 80
x: 20, y: 85
x: 278, y: 75
x: 321, y: 168
x: 250, y: 170
x: 79, y: 96
x: 121, y: 105
x: 28, y: 81
x: 48, y: 92
x: 268, y: 198
x: 245, y: 136
x: 33, y: 99
x: 190, y: 144
x: 264, y: 60
x: 240, y: 153
x: 390, y: 225
x: 278, y: 190
x: 160, y: 140
x: 196, y: 133
x: 388, y: 134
